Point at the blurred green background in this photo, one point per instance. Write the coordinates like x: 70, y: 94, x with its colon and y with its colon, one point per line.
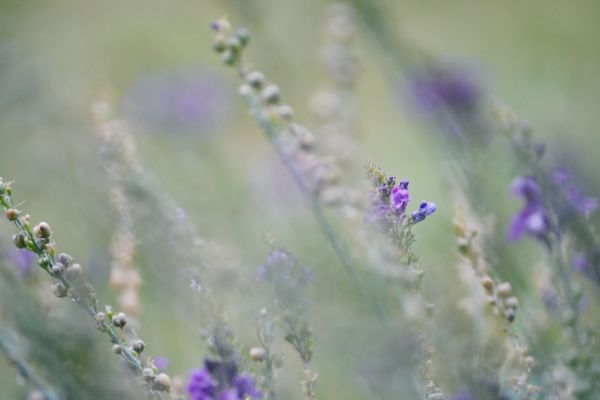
x: 540, y: 57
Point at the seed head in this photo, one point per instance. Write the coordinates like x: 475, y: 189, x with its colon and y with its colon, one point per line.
x: 42, y: 230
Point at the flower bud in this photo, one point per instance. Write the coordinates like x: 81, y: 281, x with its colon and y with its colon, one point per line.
x: 162, y: 382
x: 504, y: 289
x: 100, y: 317
x: 119, y: 320
x: 73, y: 271
x: 19, y: 240
x: 271, y: 94
x: 42, y: 230
x: 219, y: 44
x: 138, y: 346
x: 148, y: 374
x: 255, y: 79
x: 234, y: 43
x: 243, y: 36
x: 57, y: 269
x: 65, y: 259
x: 229, y: 57
x: 257, y: 354
x: 529, y: 362
x: 59, y: 289
x: 285, y: 112
x: 512, y: 302
x: 12, y: 214
x: 488, y: 284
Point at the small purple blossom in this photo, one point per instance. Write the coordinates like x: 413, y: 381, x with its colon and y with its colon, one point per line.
x: 533, y: 219
x: 23, y: 259
x: 426, y: 208
x: 220, y: 380
x: 161, y: 363
x: 400, y: 196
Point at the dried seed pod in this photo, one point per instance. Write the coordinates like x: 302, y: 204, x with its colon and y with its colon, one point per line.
x: 255, y: 79
x: 271, y: 94
x: 504, y: 289
x: 12, y: 214
x: 257, y: 354
x: 162, y: 382
x: 138, y: 346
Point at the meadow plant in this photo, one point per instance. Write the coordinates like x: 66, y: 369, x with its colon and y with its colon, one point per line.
x: 523, y: 327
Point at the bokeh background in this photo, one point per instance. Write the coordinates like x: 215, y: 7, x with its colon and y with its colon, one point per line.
x: 154, y: 60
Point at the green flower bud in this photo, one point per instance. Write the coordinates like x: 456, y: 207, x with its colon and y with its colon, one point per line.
x: 234, y: 44
x: 255, y: 79
x: 138, y: 346
x: 20, y: 240
x: 271, y: 94
x: 229, y: 57
x: 243, y: 36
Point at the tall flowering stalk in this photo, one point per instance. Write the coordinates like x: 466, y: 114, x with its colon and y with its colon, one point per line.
x: 499, y: 297
x: 289, y: 280
x: 119, y: 159
x: 293, y: 142
x: 69, y: 282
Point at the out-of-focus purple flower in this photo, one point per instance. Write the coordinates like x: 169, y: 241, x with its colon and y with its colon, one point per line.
x: 426, y: 208
x: 161, y: 363
x: 449, y: 88
x: 23, y: 259
x: 221, y: 381
x: 400, y: 196
x: 581, y: 203
x: 462, y: 395
x: 191, y: 103
x: 533, y: 219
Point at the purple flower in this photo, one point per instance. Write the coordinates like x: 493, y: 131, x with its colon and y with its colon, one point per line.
x: 575, y: 197
x: 23, y: 259
x: 425, y: 209
x: 219, y: 380
x: 161, y: 363
x: 444, y: 88
x: 533, y: 219
x: 400, y: 196
x: 176, y: 102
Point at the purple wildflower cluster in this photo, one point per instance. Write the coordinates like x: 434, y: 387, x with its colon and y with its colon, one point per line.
x: 449, y: 89
x: 391, y: 201
x: 533, y: 219
x: 221, y: 380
